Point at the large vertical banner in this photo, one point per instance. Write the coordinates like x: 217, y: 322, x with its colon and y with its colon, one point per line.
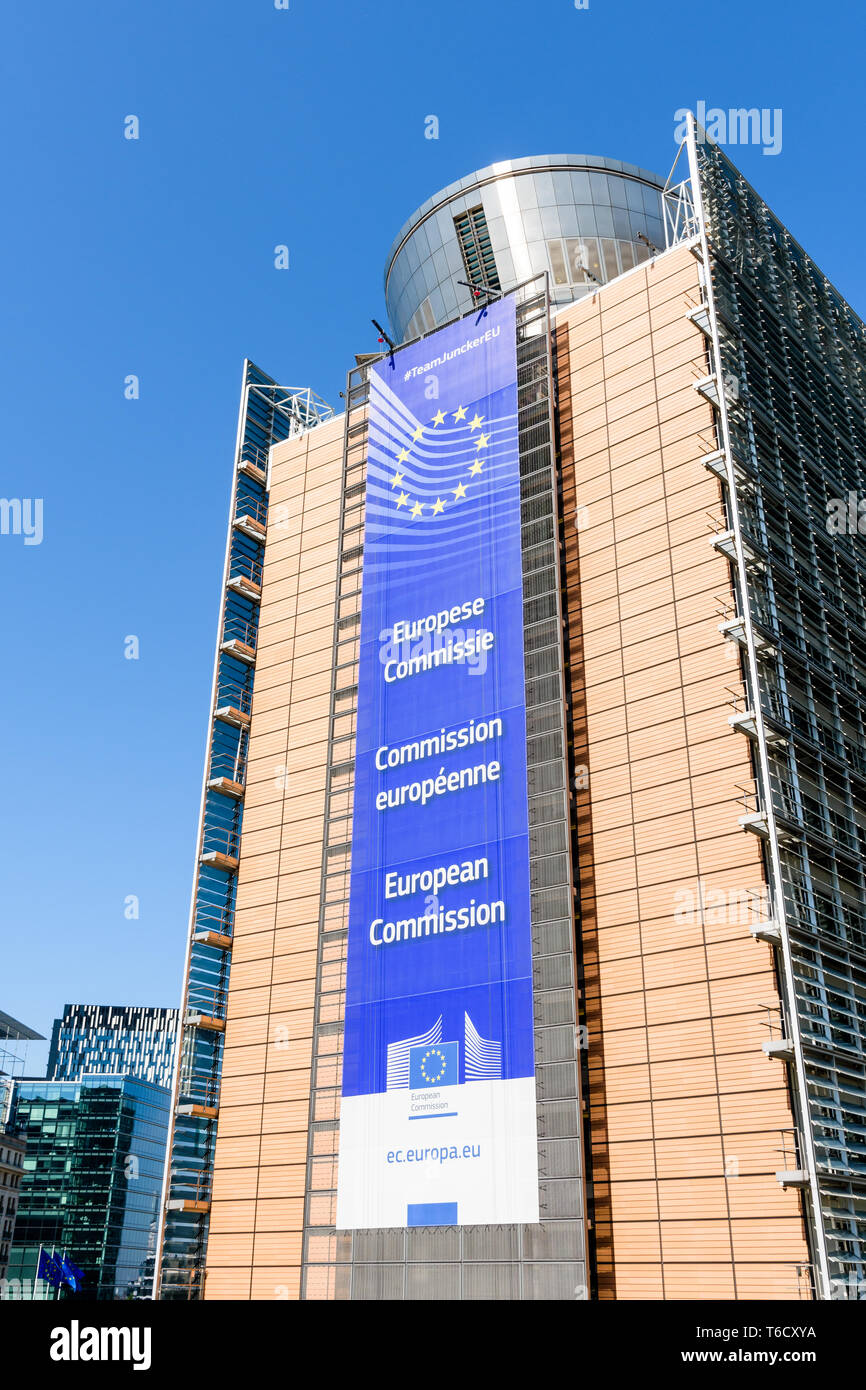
x: 437, y: 1121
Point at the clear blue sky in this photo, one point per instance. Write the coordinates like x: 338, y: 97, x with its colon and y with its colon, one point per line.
x: 262, y: 126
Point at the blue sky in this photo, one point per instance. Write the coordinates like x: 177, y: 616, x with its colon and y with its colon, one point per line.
x: 261, y: 127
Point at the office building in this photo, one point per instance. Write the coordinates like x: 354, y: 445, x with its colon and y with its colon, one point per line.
x: 667, y: 396
x: 92, y: 1177
x: 105, y: 1038
x: 12, y: 1148
x: 14, y: 1037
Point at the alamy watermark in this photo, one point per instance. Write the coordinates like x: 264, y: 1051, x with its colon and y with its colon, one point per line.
x: 846, y: 516
x: 22, y: 516
x: 737, y: 126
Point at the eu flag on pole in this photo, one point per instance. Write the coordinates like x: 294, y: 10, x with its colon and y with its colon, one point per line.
x: 71, y: 1273
x: 49, y: 1268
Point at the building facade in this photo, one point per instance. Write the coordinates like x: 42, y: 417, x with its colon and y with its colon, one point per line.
x: 12, y: 1149
x: 104, y: 1038
x: 91, y: 1183
x: 268, y: 414
x: 690, y: 436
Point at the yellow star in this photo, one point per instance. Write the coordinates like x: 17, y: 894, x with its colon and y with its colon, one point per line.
x: 419, y: 432
x: 438, y: 418
x: 460, y: 413
x: 476, y: 423
x: 403, y: 456
x: 438, y: 506
x: 459, y: 491
x: 417, y: 509
x: 476, y: 467
x: 397, y: 480
x: 481, y: 441
x: 403, y: 499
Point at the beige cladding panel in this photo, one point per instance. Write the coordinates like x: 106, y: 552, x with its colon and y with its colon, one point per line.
x: 686, y: 1111
x: 261, y: 1144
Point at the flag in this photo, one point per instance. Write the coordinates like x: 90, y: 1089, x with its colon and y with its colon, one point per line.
x: 436, y: 1065
x: 49, y: 1268
x: 71, y: 1273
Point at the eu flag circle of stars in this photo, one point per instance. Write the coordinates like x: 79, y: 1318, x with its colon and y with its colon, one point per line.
x: 404, y: 499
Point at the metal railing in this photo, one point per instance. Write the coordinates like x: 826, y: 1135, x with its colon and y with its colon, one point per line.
x: 192, y: 1184
x: 232, y: 766
x: 238, y: 629
x: 255, y: 507
x: 211, y: 918
x: 209, y: 1000
x: 245, y: 567
x: 233, y: 695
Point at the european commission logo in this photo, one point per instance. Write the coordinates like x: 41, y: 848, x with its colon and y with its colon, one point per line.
x: 437, y: 1065
x: 426, y: 1060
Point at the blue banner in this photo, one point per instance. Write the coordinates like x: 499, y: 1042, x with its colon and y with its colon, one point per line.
x: 439, y: 1020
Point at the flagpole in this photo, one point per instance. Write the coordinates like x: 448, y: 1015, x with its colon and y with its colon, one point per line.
x: 38, y: 1263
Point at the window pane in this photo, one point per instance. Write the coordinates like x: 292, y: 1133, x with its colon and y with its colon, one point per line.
x: 557, y: 263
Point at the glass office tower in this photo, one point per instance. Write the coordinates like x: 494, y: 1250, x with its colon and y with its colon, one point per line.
x: 134, y: 1040
x: 91, y: 1183
x: 690, y: 426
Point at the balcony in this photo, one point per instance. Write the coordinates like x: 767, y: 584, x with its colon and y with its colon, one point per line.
x: 250, y: 526
x: 221, y: 840
x: 198, y: 1112
x: 792, y: 1177
x: 196, y: 1018
x: 726, y: 543
x: 216, y: 859
x: 716, y: 463
x: 253, y: 468
x: 191, y: 1191
x: 226, y: 787
x: 734, y: 629
x: 745, y: 721
x: 230, y: 714
x: 217, y: 939
x: 234, y: 703
x: 757, y: 821
x: 239, y: 639
x: 767, y: 931
x: 708, y: 387
x: 700, y: 317
x: 232, y: 646
x: 245, y: 587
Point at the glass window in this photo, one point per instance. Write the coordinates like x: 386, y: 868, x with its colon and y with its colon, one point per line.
x: 609, y: 256
x: 577, y: 266
x: 557, y: 262
x: 592, y: 259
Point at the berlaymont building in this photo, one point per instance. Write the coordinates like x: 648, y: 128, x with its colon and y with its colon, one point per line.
x: 534, y: 809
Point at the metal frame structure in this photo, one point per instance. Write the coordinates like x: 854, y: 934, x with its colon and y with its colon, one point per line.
x: 268, y: 414
x: 688, y: 196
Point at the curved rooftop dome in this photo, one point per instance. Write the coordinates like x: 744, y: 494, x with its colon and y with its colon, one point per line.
x: 583, y: 218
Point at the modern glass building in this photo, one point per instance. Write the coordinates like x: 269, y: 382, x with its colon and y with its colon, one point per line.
x: 690, y: 432
x: 92, y: 1177
x: 92, y: 1038
x: 582, y: 219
